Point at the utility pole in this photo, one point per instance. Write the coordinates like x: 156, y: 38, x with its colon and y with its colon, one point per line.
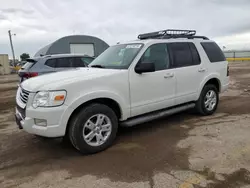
x: 12, y: 48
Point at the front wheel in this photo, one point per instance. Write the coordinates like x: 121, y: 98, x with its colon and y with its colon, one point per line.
x: 93, y: 129
x: 208, y: 100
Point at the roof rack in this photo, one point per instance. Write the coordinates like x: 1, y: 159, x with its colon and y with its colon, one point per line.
x: 171, y: 33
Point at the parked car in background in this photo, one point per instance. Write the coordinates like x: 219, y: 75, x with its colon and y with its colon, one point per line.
x: 52, y: 63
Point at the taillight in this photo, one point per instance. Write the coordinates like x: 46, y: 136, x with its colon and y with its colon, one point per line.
x: 33, y: 74
x: 227, y: 70
x: 30, y: 74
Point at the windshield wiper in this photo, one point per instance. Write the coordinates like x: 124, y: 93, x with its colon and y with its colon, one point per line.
x: 97, y: 66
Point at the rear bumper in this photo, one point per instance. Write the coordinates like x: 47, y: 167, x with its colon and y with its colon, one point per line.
x: 225, y: 86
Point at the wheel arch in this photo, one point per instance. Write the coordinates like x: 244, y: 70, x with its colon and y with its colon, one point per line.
x: 111, y: 100
x: 214, y: 80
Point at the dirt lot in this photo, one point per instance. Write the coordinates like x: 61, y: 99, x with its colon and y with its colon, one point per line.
x: 183, y: 151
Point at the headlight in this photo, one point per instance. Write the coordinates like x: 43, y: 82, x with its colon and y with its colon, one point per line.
x: 49, y: 98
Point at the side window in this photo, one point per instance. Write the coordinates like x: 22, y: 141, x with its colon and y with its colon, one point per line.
x: 64, y: 62
x: 181, y: 54
x: 157, y: 54
x: 51, y: 63
x: 78, y: 62
x: 87, y: 60
x: 195, y: 54
x: 213, y: 52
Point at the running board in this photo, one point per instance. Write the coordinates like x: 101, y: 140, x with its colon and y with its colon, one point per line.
x: 155, y: 115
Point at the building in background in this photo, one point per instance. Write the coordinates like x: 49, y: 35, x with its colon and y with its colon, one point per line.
x: 237, y: 55
x: 78, y: 44
x: 4, y: 64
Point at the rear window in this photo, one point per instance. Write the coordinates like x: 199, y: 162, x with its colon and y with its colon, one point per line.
x: 28, y: 64
x: 213, y: 52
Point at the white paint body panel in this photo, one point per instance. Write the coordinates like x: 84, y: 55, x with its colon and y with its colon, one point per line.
x: 135, y: 93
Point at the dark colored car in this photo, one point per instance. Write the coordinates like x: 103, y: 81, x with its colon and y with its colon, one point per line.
x: 52, y: 63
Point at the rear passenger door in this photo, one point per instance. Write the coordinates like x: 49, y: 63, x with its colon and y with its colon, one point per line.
x: 189, y: 71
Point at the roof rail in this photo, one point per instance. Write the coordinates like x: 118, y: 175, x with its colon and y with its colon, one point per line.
x: 171, y: 33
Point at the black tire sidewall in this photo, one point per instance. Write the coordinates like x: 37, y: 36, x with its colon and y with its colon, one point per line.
x: 78, y: 125
x: 202, y: 99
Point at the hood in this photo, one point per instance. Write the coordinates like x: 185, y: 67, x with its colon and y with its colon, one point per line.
x: 60, y: 78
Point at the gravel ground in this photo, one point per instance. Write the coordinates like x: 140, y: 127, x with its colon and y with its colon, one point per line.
x: 184, y: 150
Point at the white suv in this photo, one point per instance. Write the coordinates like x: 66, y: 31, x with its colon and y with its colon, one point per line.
x: 159, y: 74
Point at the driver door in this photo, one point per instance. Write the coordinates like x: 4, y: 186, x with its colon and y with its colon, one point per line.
x: 153, y: 90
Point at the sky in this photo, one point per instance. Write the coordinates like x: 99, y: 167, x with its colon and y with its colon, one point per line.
x: 37, y: 23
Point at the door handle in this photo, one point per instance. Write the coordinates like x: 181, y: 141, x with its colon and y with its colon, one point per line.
x: 202, y: 70
x: 169, y: 75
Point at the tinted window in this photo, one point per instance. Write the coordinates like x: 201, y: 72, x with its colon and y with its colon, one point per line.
x: 64, y: 62
x: 213, y: 52
x: 51, y: 63
x: 181, y: 54
x: 27, y: 65
x: 78, y: 62
x: 157, y: 54
x: 87, y: 60
x: 195, y: 54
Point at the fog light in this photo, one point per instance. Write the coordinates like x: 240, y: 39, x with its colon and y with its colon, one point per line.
x: 41, y: 122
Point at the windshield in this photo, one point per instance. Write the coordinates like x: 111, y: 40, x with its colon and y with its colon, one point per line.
x: 117, y: 57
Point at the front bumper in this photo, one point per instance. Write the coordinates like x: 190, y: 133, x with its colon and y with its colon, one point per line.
x: 56, y: 125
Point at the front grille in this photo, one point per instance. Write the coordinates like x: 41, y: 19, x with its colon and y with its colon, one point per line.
x: 21, y: 111
x: 24, y: 95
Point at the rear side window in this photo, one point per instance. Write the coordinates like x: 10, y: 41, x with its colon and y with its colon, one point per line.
x: 78, y: 62
x: 213, y: 52
x: 64, y: 62
x: 51, y: 63
x: 195, y: 54
x: 184, y: 54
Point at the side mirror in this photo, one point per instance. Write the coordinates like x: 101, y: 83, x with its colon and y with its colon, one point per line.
x: 144, y: 67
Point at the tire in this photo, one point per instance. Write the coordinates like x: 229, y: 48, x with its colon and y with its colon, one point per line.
x: 90, y: 137
x: 201, y: 106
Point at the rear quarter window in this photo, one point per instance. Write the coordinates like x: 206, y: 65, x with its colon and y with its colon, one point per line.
x: 51, y: 63
x: 213, y: 52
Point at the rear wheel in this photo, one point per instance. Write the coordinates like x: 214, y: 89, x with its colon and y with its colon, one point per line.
x: 93, y: 129
x: 208, y: 100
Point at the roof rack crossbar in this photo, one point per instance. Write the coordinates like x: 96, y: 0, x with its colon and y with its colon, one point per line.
x: 188, y: 37
x: 171, y: 33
